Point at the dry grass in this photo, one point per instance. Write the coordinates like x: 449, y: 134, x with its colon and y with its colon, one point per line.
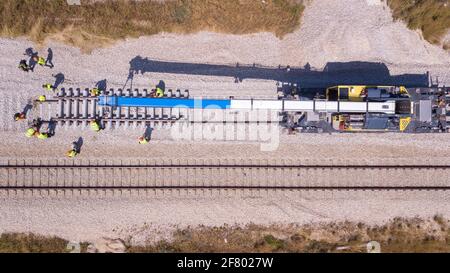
x: 399, y: 235
x: 30, y: 243
x: 432, y: 17
x: 97, y: 23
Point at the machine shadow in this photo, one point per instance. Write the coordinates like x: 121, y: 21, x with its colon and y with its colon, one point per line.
x: 334, y: 73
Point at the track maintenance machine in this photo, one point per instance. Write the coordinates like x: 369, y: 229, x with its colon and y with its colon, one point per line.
x: 364, y: 108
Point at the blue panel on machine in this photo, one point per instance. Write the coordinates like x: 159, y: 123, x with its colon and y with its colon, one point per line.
x: 163, y: 102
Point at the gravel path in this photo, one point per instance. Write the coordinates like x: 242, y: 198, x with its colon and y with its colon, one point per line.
x: 327, y: 38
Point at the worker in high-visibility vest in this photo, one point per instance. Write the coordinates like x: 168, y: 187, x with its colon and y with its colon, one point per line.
x: 24, y: 66
x: 143, y: 140
x: 159, y: 93
x: 74, y: 151
x: 39, y: 60
x: 95, y: 92
x: 49, y: 87
x: 71, y: 153
x: 30, y: 132
x: 19, y: 116
x: 42, y: 98
x: 95, y: 126
x: 41, y: 135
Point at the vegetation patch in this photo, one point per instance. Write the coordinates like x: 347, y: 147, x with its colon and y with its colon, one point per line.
x: 31, y: 243
x: 96, y: 23
x: 432, y: 17
x: 398, y: 235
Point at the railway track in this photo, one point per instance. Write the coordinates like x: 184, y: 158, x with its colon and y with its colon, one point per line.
x: 265, y: 177
x: 75, y: 107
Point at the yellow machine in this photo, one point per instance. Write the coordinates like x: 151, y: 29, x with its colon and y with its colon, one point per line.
x: 404, y: 122
x: 358, y: 123
x: 364, y: 92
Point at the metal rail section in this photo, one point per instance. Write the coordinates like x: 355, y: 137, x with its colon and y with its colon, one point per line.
x: 77, y: 107
x: 222, y: 187
x: 116, y: 101
x: 228, y: 166
x: 320, y: 106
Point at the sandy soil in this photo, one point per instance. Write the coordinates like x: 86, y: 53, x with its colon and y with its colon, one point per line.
x: 327, y: 35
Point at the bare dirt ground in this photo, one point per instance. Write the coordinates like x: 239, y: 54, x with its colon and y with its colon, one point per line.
x: 327, y: 36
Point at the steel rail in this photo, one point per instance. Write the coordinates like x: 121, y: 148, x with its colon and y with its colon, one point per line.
x: 223, y: 187
x: 227, y: 166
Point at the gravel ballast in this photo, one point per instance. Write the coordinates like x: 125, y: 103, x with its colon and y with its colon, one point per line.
x: 327, y: 35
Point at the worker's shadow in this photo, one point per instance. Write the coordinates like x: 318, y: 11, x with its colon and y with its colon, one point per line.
x: 78, y: 144
x: 161, y: 85
x: 101, y: 85
x: 148, y: 132
x: 27, y: 108
x: 49, y: 60
x: 59, y: 79
x: 51, y: 127
x: 30, y: 52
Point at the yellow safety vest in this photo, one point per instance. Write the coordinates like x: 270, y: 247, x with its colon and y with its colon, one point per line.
x: 41, y: 98
x: 95, y: 92
x: 30, y: 132
x: 49, y: 86
x: 143, y: 140
x: 42, y: 136
x: 41, y: 61
x: 94, y: 126
x: 71, y: 153
x: 159, y: 92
